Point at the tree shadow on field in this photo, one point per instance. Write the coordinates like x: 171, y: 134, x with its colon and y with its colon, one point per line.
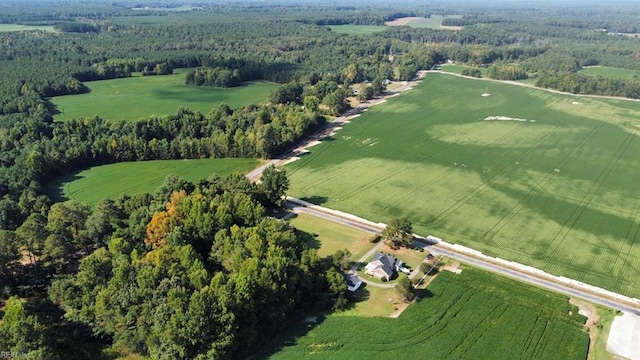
x: 423, y: 294
x: 55, y: 188
x: 290, y: 335
x: 311, y: 240
x: 361, y: 295
x: 315, y: 199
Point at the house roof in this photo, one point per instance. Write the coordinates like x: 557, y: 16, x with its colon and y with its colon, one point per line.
x: 352, y: 279
x: 386, y: 260
x: 383, y: 264
x: 381, y: 270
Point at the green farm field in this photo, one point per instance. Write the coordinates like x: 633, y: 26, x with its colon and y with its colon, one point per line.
x: 15, y: 27
x: 457, y: 69
x: 555, y: 187
x: 432, y: 22
x: 139, y: 97
x: 468, y: 316
x: 109, y: 181
x: 610, y: 72
x: 357, y: 29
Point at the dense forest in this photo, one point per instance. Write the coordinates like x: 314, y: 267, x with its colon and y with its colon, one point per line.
x: 199, y: 270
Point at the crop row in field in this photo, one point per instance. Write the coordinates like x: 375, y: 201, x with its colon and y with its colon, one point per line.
x: 540, y: 178
x: 468, y: 316
x: 109, y: 181
x: 139, y: 97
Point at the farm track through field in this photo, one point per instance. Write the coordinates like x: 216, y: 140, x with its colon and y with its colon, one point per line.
x: 537, y: 187
x: 589, y: 195
x: 559, y: 166
x: 536, y: 87
x: 479, y: 329
x: 604, y: 174
x: 479, y: 189
x: 402, y: 199
x: 629, y: 242
x: 533, y: 340
x: 487, y: 182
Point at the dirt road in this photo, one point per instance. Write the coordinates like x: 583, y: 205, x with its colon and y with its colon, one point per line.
x: 255, y: 174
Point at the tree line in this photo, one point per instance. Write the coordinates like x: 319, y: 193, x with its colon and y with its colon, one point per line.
x: 191, y: 271
x: 35, y: 151
x: 577, y: 83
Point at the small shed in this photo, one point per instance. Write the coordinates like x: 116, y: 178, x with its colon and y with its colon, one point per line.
x: 353, y: 282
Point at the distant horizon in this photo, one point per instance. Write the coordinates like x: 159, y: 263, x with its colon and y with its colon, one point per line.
x: 419, y: 3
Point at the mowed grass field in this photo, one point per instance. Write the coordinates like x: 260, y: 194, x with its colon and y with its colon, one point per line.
x: 474, y: 315
x: 457, y: 69
x: 139, y: 97
x: 558, y: 191
x: 357, y: 29
x: 610, y: 72
x: 16, y: 27
x: 109, y: 181
x: 432, y: 22
x: 329, y: 237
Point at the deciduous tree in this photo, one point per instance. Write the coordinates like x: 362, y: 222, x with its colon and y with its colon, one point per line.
x: 398, y: 232
x: 405, y: 289
x: 274, y: 184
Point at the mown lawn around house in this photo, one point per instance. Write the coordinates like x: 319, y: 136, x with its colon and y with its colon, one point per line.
x: 472, y: 315
x: 540, y: 178
x: 110, y: 181
x: 371, y: 301
x: 329, y: 237
x: 140, y: 97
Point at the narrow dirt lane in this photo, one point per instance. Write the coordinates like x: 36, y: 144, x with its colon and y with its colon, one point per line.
x: 255, y: 174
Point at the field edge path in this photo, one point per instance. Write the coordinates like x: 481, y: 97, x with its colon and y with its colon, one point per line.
x: 255, y: 174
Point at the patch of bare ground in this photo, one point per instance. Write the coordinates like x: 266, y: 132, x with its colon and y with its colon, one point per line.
x: 402, y: 21
x: 398, y: 308
x: 401, y: 306
x: 453, y: 28
x: 593, y: 320
x: 454, y: 267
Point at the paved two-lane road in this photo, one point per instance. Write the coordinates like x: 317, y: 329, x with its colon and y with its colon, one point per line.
x: 477, y: 261
x: 516, y: 271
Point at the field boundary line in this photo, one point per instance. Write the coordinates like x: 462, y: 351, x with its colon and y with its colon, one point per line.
x: 438, y: 219
x: 510, y: 82
x: 302, y: 146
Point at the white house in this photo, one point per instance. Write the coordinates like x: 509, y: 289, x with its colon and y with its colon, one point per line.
x: 383, y: 266
x: 353, y: 282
